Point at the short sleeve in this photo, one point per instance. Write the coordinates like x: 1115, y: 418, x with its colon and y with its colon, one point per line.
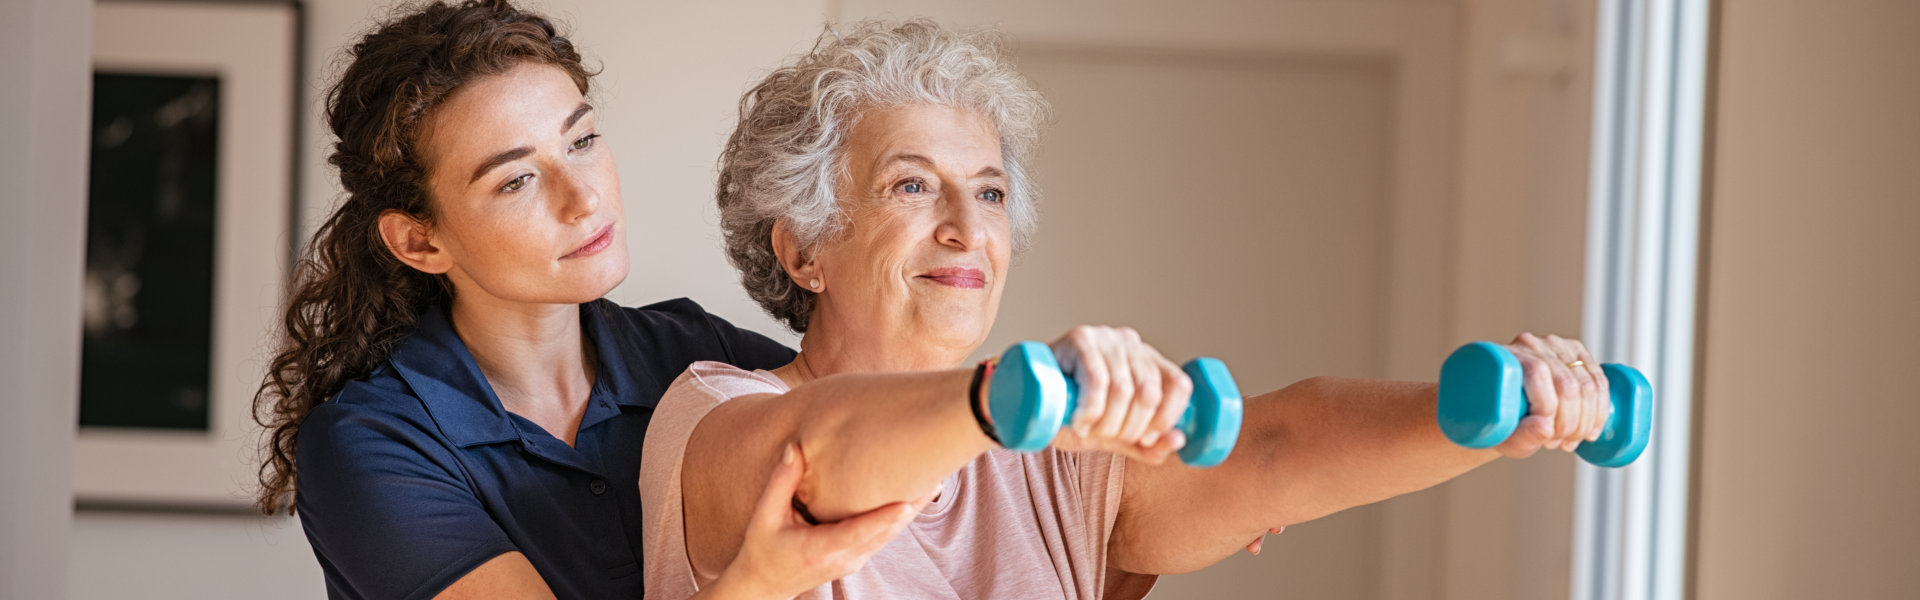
x: 386, y: 506
x: 1102, y: 478
x: 703, y: 387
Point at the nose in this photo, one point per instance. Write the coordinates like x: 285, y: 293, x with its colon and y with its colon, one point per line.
x: 963, y: 222
x: 575, y: 195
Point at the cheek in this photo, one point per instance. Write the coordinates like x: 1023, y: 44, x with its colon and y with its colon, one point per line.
x: 608, y: 178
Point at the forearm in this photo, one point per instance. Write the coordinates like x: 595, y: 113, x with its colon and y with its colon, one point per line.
x: 874, y: 439
x: 1311, y: 449
x: 1328, y: 444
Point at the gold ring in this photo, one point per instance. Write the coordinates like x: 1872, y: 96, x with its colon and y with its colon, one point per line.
x: 1576, y: 364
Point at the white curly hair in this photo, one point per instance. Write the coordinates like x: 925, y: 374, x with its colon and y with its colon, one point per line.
x: 785, y: 158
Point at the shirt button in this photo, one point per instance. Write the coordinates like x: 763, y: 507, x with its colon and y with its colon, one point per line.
x: 598, y: 487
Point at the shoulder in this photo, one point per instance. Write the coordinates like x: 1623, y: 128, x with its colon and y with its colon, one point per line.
x: 706, y: 385
x: 373, y: 425
x: 683, y: 328
x: 728, y: 381
x: 378, y: 406
x: 679, y: 315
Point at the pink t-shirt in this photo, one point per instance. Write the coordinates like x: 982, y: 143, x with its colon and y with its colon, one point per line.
x: 1007, y: 525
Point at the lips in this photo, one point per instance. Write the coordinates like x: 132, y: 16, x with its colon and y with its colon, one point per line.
x: 957, y: 277
x: 599, y: 241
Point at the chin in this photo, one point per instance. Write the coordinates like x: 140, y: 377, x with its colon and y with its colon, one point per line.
x: 963, y: 332
x: 589, y: 286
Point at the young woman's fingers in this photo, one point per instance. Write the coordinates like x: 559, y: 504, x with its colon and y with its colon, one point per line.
x: 867, y: 532
x: 775, y: 506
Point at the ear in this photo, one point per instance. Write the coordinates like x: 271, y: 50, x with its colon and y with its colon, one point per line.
x: 412, y: 242
x: 803, y: 269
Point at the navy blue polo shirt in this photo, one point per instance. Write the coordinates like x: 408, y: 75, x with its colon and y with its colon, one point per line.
x: 414, y: 475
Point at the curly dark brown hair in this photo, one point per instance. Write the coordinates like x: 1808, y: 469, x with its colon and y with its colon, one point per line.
x: 351, y: 301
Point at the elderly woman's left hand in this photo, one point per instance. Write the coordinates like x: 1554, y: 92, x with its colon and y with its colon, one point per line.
x: 1130, y: 396
x: 1566, y: 395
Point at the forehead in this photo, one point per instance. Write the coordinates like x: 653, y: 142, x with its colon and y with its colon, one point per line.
x: 951, y: 137
x: 526, y: 103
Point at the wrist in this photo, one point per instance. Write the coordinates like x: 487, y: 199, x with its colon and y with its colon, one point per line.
x: 735, y: 585
x: 977, y: 399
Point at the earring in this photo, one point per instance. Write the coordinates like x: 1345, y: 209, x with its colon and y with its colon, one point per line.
x: 813, y: 285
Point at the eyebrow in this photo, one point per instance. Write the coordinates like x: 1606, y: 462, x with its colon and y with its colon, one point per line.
x: 927, y: 163
x: 518, y: 153
x: 499, y: 159
x: 575, y: 117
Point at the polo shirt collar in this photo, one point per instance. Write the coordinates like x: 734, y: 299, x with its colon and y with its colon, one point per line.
x: 436, y: 364
x: 613, y: 376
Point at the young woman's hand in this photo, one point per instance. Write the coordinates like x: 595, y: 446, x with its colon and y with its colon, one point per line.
x: 1567, y: 396
x: 1130, y: 396
x: 784, y: 556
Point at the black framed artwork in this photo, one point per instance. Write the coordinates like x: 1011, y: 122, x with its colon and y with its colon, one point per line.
x: 194, y: 151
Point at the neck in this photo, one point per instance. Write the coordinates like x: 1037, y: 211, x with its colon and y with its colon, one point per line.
x: 533, y: 355
x: 830, y: 350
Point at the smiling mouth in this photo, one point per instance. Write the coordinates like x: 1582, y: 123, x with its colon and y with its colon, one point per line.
x: 957, y: 277
x: 594, y: 244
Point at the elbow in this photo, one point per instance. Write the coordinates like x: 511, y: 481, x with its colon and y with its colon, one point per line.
x: 1274, y: 456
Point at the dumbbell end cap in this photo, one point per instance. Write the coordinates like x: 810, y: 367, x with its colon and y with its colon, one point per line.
x: 1212, y: 423
x: 1018, y: 397
x: 1480, y: 401
x: 1630, y: 426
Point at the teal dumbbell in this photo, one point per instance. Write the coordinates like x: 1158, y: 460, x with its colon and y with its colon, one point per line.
x: 1029, y: 400
x: 1482, y: 398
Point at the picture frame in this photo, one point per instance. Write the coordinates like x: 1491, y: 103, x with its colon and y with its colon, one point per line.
x: 252, y: 48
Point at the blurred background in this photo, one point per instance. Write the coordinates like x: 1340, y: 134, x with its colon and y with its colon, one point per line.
x: 1725, y: 193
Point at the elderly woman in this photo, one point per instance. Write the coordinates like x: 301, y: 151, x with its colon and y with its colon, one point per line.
x: 872, y: 197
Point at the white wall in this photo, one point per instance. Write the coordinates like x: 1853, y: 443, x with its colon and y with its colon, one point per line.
x: 43, y: 150
x: 1808, y: 468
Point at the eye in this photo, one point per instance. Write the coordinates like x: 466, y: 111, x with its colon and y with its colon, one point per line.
x: 993, y: 195
x: 517, y: 183
x: 913, y: 186
x: 585, y: 142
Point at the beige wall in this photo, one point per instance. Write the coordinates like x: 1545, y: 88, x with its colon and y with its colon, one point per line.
x: 1305, y: 237
x: 1809, y: 472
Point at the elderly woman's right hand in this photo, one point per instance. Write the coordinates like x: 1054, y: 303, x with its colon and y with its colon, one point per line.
x: 1130, y: 396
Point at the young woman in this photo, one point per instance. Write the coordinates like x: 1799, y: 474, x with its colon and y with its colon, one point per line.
x: 453, y: 410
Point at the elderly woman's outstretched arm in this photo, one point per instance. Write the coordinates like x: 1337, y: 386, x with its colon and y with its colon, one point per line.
x: 873, y: 439
x: 1327, y: 444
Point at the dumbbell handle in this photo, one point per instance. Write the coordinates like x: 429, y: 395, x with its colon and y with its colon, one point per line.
x: 1025, y: 418
x: 1483, y: 397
